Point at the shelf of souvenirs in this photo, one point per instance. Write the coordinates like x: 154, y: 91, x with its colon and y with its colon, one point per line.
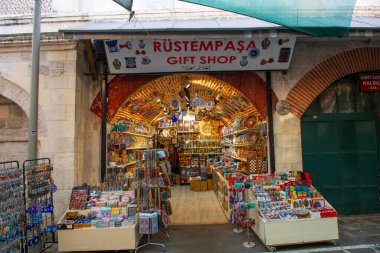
x: 192, y: 148
x: 188, y: 132
x: 170, y: 127
x: 140, y: 135
x: 204, y: 140
x: 239, y: 145
x: 125, y: 164
x: 132, y: 148
x: 236, y: 157
x: 203, y: 153
x: 242, y: 131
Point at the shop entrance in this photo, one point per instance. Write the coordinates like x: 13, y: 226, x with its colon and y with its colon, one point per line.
x: 182, y: 117
x: 340, y: 146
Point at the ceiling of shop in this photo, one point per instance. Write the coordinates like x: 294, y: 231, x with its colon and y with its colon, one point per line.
x: 154, y: 100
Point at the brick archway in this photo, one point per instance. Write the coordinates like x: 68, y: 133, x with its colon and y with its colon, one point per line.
x: 328, y: 71
x: 248, y: 83
x: 21, y: 97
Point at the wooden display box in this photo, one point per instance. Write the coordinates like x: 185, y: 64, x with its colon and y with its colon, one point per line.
x: 95, y: 239
x: 299, y: 231
x: 209, y: 184
x: 195, y: 185
x: 203, y: 186
x: 177, y: 179
x: 280, y: 233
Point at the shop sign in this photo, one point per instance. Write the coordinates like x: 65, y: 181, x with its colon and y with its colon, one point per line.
x: 198, y: 55
x: 369, y: 82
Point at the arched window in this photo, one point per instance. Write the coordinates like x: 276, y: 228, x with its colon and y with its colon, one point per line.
x: 344, y: 96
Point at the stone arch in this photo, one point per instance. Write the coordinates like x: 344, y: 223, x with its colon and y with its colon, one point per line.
x: 21, y: 97
x: 328, y: 71
x: 249, y: 83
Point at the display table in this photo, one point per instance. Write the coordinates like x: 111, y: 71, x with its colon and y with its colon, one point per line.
x: 279, y: 232
x: 95, y: 239
x: 221, y: 189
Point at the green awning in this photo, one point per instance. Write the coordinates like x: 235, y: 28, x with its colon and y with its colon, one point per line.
x: 313, y: 17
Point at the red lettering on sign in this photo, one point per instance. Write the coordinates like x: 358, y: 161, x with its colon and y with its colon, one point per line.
x: 370, y: 82
x: 156, y: 46
x: 230, y: 46
x: 251, y: 45
x: 218, y: 44
x: 203, y: 46
x: 180, y: 60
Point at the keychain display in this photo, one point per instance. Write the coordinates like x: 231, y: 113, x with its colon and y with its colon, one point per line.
x: 39, y: 209
x: 11, y: 207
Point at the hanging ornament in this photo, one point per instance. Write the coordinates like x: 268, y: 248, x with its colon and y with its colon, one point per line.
x: 174, y: 118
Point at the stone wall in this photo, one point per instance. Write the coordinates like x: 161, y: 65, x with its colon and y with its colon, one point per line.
x: 308, y: 53
x: 57, y: 84
x: 13, y: 131
x: 87, y: 124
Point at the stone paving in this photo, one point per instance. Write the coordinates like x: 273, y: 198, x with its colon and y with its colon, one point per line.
x: 358, y: 234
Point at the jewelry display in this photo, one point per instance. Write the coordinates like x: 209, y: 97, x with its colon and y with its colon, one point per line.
x: 39, y: 214
x: 12, y: 207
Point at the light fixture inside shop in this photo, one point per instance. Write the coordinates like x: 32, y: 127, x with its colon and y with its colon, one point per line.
x: 187, y: 84
x: 189, y: 116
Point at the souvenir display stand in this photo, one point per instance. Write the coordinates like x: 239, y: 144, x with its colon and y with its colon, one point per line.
x: 291, y: 212
x: 12, y: 207
x: 136, y: 182
x: 39, y: 189
x: 94, y: 239
x: 221, y: 189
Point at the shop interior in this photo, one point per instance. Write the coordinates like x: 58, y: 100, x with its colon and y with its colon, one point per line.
x: 193, y: 122
x: 192, y: 149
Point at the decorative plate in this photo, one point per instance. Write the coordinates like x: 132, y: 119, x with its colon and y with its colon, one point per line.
x: 202, y: 103
x: 172, y: 132
x: 175, y: 104
x: 196, y: 101
x: 165, y: 133
x: 210, y: 105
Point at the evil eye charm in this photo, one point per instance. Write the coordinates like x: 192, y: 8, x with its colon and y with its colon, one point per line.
x: 53, y: 228
x: 36, y: 240
x: 30, y: 242
x: 53, y: 188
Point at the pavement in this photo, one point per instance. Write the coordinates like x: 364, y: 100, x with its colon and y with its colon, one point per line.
x: 358, y: 234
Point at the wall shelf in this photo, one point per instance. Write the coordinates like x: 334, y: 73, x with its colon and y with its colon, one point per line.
x: 132, y: 148
x: 243, y: 131
x: 237, y: 158
x: 141, y: 135
x: 203, y: 153
x: 238, y: 145
x: 201, y: 147
x: 201, y: 140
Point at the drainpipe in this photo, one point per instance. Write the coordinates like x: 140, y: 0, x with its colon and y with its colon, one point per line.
x: 103, y: 162
x: 270, y: 122
x: 33, y: 106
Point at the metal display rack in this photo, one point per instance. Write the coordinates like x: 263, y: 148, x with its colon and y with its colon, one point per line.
x: 12, y: 207
x: 39, y: 189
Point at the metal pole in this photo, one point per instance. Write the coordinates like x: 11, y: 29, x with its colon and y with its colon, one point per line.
x: 103, y: 161
x: 270, y: 122
x: 33, y: 107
